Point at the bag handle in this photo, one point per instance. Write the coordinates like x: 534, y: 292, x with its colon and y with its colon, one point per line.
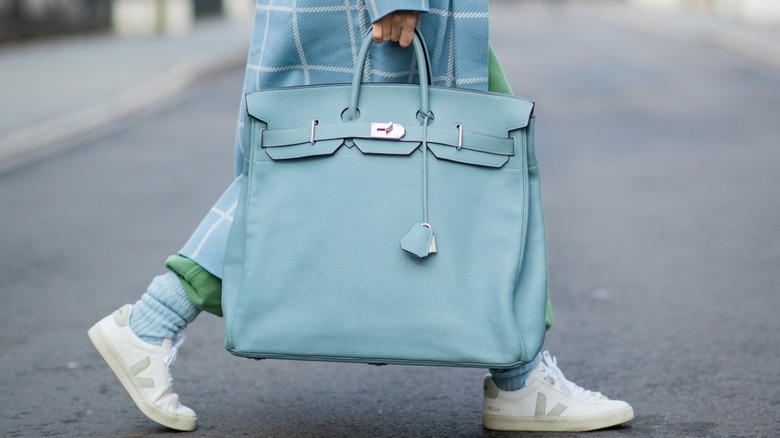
x: 423, y: 69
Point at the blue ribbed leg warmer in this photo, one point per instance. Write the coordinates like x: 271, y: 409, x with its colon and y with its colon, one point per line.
x: 163, y: 311
x: 513, y: 379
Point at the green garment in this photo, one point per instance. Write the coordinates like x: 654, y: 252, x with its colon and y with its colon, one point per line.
x: 205, y: 289
x: 497, y: 82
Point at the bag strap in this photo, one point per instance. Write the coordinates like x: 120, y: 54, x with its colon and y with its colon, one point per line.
x: 352, y: 112
x: 425, y: 54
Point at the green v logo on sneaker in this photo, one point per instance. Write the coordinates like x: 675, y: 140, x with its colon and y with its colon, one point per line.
x: 541, y: 407
x: 138, y: 367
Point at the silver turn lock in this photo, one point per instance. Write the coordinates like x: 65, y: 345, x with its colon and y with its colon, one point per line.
x: 387, y: 131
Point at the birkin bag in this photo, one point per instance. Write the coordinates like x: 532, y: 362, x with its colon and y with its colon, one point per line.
x: 387, y: 224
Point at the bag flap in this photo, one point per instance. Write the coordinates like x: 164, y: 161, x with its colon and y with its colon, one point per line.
x: 301, y: 150
x: 385, y: 147
x: 467, y: 156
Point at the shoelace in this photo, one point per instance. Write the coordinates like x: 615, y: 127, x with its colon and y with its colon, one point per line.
x: 169, y: 356
x: 551, y: 372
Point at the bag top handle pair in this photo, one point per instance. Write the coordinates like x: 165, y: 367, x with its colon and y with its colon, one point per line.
x: 423, y: 67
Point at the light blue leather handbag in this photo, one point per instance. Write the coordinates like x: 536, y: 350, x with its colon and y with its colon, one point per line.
x: 387, y: 224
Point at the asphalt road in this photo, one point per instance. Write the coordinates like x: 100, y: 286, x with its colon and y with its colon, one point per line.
x: 661, y: 170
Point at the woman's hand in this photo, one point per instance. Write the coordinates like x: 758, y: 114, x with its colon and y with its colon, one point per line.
x: 396, y: 26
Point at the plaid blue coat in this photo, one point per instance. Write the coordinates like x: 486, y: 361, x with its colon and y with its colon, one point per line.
x: 309, y: 42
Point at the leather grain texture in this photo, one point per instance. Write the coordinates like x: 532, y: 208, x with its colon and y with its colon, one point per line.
x: 314, y: 268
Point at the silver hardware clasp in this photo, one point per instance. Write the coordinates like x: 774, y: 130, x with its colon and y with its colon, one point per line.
x: 314, y: 124
x: 388, y: 131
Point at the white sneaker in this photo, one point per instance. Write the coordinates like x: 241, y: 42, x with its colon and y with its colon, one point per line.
x: 143, y: 369
x: 549, y: 402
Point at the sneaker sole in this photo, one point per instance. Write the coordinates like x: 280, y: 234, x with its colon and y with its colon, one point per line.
x: 127, y: 379
x: 558, y: 424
